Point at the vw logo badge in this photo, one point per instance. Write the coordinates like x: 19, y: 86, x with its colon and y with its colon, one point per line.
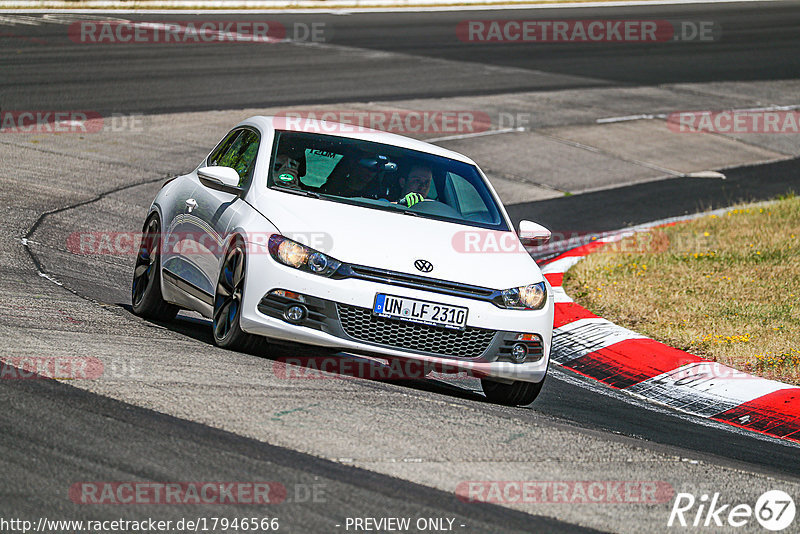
x: 423, y: 265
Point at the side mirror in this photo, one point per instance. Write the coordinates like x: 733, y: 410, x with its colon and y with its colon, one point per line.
x: 220, y: 178
x: 532, y: 234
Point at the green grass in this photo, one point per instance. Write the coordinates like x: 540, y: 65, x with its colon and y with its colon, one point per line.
x: 725, y: 287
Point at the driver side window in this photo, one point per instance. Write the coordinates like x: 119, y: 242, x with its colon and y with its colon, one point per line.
x: 213, y: 158
x: 238, y: 151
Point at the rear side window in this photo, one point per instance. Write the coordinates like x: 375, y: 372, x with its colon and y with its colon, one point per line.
x: 238, y: 151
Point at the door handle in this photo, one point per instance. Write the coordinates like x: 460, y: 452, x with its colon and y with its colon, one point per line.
x: 190, y: 204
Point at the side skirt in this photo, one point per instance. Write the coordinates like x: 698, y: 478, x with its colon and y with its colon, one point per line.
x: 187, y: 295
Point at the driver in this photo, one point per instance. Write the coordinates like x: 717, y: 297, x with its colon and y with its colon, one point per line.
x: 416, y: 186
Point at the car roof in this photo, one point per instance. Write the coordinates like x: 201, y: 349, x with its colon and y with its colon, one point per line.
x: 270, y: 123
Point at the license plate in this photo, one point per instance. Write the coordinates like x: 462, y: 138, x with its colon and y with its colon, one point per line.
x: 420, y: 311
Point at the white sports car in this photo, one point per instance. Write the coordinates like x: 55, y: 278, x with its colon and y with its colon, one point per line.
x: 354, y: 240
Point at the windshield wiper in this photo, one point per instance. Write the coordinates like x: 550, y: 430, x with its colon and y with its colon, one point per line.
x: 389, y: 206
x: 301, y: 192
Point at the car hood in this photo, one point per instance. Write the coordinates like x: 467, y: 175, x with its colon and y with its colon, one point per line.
x: 393, y: 241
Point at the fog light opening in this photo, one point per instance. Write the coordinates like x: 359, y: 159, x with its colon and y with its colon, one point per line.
x: 519, y: 352
x: 295, y: 313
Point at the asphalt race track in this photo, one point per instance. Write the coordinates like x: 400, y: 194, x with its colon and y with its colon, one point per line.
x: 176, y: 408
x: 428, y: 61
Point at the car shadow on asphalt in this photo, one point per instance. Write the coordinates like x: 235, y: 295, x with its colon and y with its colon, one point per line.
x: 309, y: 363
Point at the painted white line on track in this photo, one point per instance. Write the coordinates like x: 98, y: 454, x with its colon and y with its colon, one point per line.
x: 475, y: 134
x: 651, y: 116
x: 626, y: 118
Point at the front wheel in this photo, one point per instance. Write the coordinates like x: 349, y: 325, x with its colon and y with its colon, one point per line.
x: 146, y: 298
x: 228, y: 302
x: 516, y: 393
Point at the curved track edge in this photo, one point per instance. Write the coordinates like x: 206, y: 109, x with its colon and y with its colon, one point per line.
x: 622, y: 359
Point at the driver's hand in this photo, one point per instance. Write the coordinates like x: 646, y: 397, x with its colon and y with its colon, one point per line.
x: 411, y: 199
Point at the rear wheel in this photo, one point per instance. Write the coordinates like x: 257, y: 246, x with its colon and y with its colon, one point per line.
x: 228, y: 303
x: 516, y: 393
x: 146, y: 297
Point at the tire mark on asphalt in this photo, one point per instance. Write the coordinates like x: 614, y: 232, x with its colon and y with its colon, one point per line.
x: 26, y: 241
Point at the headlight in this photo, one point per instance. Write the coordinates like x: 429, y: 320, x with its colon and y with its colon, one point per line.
x: 292, y: 254
x: 301, y: 257
x: 530, y: 297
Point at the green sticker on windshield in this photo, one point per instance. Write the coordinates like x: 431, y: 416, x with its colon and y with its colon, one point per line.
x: 286, y: 177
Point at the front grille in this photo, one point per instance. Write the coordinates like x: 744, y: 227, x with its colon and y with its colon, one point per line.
x: 360, y: 324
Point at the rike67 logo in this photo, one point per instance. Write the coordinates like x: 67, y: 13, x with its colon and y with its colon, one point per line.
x: 774, y: 510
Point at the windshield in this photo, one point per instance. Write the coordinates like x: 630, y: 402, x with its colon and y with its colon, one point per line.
x: 379, y: 176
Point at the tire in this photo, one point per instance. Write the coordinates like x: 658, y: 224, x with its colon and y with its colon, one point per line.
x: 227, y: 331
x: 516, y: 393
x: 146, y: 298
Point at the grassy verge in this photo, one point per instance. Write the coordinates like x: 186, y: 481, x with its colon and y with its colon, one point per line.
x: 725, y: 287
